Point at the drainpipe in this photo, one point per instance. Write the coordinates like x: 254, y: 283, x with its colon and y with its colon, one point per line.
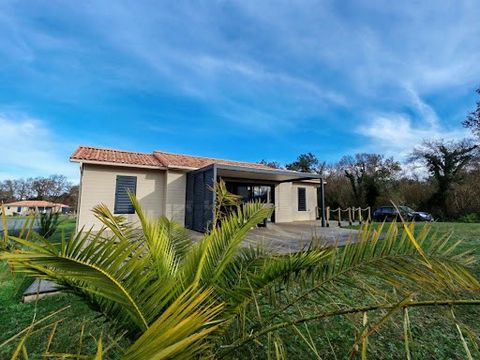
x: 322, y: 199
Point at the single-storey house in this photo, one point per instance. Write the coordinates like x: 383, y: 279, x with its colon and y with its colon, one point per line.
x: 180, y: 186
x: 27, y: 207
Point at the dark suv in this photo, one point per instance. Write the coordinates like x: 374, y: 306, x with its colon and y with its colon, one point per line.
x: 389, y: 213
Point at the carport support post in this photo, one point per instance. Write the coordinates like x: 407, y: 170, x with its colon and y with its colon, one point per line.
x: 322, y: 195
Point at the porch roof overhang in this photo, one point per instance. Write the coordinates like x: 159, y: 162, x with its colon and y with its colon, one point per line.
x: 273, y: 175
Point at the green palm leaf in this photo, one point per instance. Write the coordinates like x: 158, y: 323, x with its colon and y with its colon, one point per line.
x: 207, y: 260
x: 99, y: 267
x: 181, y: 329
x: 172, y: 295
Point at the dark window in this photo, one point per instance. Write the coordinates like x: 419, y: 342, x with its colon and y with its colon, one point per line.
x: 388, y: 210
x: 19, y: 209
x: 302, y: 199
x: 123, y: 205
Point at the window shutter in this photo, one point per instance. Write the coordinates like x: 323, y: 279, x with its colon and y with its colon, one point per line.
x: 124, y: 184
x: 302, y: 199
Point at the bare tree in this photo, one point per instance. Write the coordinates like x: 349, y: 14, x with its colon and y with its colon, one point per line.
x: 50, y: 188
x: 368, y: 174
x: 7, y: 191
x: 272, y: 164
x: 473, y: 119
x: 23, y: 188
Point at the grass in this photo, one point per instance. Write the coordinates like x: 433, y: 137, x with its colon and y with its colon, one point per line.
x: 434, y: 334
x: 468, y: 233
x: 16, y: 316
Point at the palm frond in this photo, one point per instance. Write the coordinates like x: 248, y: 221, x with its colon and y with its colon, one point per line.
x: 48, y: 223
x: 112, y: 273
x: 173, y: 294
x: 181, y: 330
x: 376, y: 262
x: 206, y: 261
x: 225, y: 201
x: 4, y: 228
x: 255, y: 273
x: 167, y: 242
x: 117, y: 224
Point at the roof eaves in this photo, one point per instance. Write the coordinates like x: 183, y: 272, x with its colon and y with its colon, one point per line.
x: 272, y: 170
x: 111, y: 163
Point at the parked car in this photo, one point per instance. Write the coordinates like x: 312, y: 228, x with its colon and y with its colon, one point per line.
x: 390, y: 213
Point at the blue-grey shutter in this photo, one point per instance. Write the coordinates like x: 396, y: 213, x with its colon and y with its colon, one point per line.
x: 302, y: 199
x: 124, y: 184
x: 199, y: 199
x: 189, y: 201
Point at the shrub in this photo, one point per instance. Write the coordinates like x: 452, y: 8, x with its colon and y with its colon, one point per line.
x: 470, y: 218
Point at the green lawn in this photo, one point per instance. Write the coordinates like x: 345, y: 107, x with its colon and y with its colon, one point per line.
x: 16, y: 315
x: 434, y: 336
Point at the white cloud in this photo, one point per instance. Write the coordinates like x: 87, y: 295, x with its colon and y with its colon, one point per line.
x: 269, y: 66
x: 396, y: 134
x: 29, y: 148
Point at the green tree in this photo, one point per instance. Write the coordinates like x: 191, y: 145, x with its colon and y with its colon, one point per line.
x: 307, y: 163
x: 446, y: 161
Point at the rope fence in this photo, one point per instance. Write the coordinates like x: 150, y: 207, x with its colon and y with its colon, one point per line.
x: 350, y: 214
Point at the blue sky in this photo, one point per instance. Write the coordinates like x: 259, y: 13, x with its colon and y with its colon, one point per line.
x: 242, y: 80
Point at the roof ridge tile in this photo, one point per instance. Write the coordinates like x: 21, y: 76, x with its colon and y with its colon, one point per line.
x: 158, y: 159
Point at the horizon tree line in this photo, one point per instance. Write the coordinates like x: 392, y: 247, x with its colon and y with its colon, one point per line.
x: 450, y: 189
x: 55, y: 188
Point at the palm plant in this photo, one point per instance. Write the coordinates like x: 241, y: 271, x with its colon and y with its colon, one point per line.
x: 48, y: 223
x: 178, y: 298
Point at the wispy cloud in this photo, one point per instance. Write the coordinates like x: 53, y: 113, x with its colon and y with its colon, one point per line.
x: 397, y: 134
x: 274, y: 68
x: 29, y: 148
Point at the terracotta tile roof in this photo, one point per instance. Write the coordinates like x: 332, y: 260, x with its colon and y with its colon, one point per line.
x: 196, y: 162
x: 35, y: 203
x: 157, y: 159
x: 86, y: 153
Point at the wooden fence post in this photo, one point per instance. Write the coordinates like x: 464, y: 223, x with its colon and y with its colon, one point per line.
x: 359, y: 214
x: 328, y: 215
x: 350, y: 216
x: 369, y: 214
x: 339, y: 217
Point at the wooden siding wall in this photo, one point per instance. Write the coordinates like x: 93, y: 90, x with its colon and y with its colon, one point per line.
x: 98, y: 186
x: 286, y: 202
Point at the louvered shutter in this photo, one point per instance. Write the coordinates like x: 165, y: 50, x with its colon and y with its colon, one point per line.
x: 124, y: 184
x: 302, y: 199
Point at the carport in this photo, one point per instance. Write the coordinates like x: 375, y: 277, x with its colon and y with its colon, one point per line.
x: 250, y: 183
